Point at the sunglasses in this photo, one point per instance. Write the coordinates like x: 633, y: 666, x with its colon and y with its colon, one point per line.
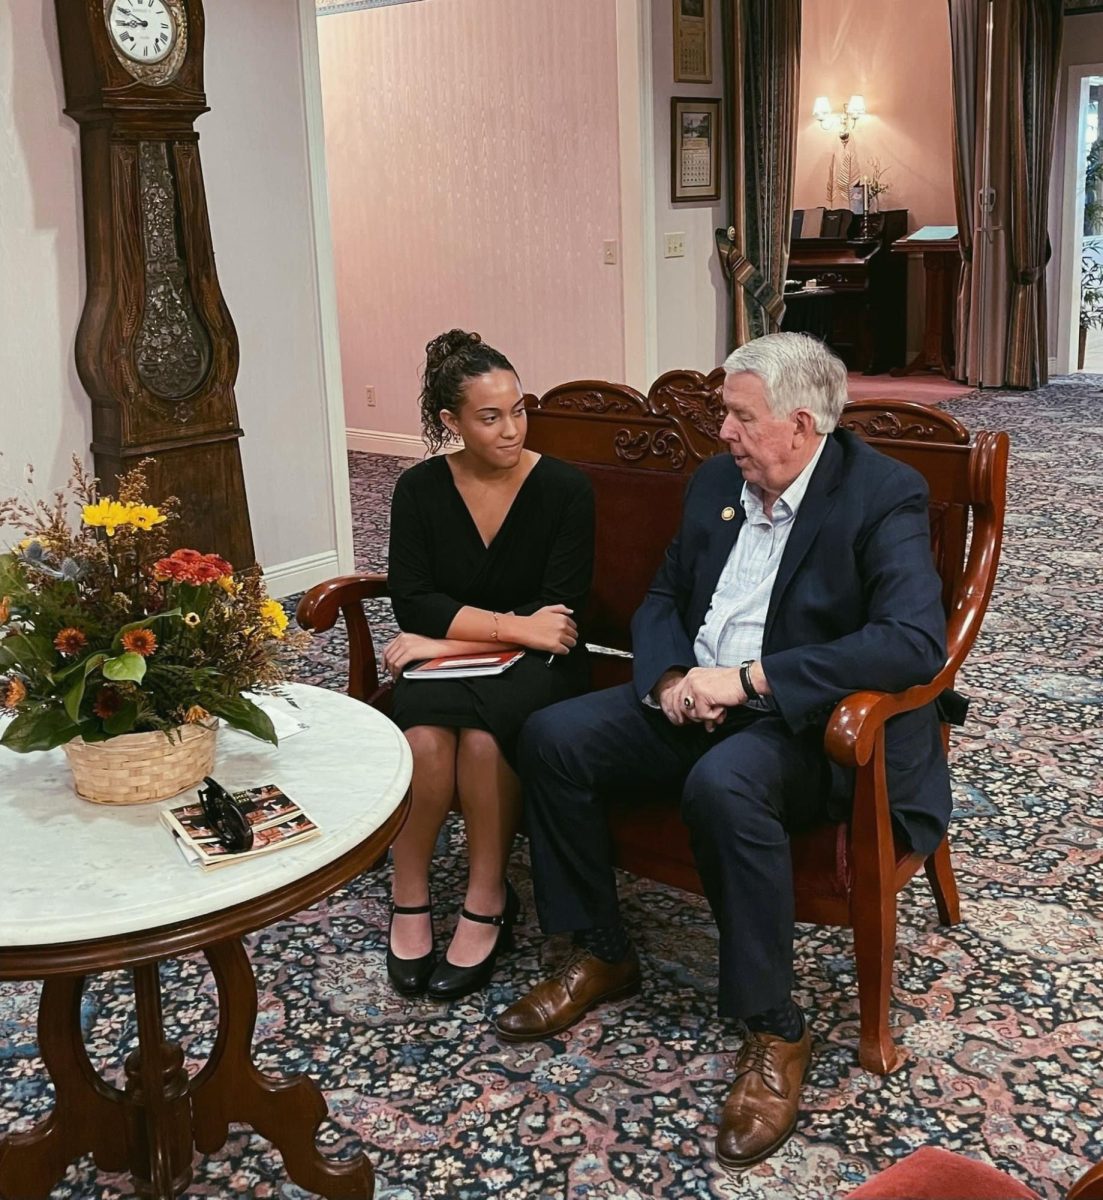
x: 225, y: 816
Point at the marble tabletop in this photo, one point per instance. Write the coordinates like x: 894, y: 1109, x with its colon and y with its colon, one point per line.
x: 71, y: 870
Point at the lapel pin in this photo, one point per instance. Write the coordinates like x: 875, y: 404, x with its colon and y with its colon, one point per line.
x: 727, y: 514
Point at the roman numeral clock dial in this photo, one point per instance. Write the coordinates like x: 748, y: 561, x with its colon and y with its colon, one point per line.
x: 156, y: 347
x: 144, y: 31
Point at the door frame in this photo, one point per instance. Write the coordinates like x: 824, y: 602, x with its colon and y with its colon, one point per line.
x: 1072, y: 216
x: 637, y: 210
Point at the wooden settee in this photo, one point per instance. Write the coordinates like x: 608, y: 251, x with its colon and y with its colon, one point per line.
x: 638, y: 452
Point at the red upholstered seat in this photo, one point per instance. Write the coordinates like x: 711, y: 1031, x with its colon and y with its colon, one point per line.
x: 933, y: 1174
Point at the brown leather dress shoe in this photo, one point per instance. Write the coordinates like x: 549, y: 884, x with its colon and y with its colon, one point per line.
x: 583, y: 982
x: 761, y: 1110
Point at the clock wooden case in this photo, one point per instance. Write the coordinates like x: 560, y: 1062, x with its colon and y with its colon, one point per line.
x: 156, y: 347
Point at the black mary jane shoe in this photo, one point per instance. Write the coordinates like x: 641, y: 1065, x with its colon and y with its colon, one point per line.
x: 409, y: 976
x: 450, y: 982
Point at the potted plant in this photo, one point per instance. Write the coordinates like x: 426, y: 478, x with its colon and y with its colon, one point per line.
x: 1091, y: 301
x: 123, y: 649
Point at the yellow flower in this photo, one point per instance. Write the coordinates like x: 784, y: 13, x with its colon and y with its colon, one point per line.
x: 5, y: 609
x: 274, y: 618
x: 229, y: 585
x: 145, y: 516
x: 191, y: 619
x: 109, y: 514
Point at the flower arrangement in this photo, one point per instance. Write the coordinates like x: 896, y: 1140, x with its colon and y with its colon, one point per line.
x: 105, y: 631
x: 873, y: 180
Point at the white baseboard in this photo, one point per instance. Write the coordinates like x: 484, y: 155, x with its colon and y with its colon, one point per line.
x: 285, y: 579
x: 376, y: 441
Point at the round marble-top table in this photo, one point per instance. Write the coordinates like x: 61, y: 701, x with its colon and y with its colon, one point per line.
x: 88, y: 887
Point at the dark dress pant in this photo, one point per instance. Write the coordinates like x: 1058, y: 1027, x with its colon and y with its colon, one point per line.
x: 744, y: 788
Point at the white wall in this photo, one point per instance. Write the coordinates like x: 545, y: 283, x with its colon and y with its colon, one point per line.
x: 691, y: 294
x: 254, y: 151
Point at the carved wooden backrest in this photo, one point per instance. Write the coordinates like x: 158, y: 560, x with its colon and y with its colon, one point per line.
x: 640, y: 450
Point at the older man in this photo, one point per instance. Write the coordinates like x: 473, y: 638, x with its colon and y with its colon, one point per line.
x: 801, y: 572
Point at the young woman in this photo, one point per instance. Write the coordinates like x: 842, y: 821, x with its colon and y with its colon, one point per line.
x: 491, y: 548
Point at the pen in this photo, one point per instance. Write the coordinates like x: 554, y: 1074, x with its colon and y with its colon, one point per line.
x: 551, y: 659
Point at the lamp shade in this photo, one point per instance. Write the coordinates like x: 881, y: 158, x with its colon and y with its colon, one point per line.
x: 856, y: 106
x: 821, y: 108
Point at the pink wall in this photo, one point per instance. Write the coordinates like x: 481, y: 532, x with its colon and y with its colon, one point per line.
x: 473, y: 172
x: 896, y: 53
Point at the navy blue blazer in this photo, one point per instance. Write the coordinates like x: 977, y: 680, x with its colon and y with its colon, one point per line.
x: 856, y: 605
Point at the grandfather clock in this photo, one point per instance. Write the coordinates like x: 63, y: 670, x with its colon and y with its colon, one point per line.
x: 156, y: 348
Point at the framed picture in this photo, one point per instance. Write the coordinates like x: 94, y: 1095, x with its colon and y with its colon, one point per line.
x: 692, y: 41
x: 694, y: 149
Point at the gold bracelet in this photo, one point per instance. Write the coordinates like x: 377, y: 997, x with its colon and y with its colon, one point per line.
x: 494, y: 635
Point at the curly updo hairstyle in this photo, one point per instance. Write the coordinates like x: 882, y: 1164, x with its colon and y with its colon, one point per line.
x: 450, y: 361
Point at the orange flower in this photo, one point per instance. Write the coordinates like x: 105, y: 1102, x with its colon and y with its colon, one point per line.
x: 196, y: 715
x: 5, y: 609
x: 140, y: 641
x: 107, y: 702
x: 15, y: 693
x: 70, y: 641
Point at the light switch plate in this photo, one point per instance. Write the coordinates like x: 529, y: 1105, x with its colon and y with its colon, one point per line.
x: 609, y: 252
x: 675, y: 245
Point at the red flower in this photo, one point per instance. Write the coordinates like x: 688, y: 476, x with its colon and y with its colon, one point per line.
x: 70, y: 641
x: 140, y: 641
x: 189, y: 566
x: 107, y: 702
x: 205, y: 572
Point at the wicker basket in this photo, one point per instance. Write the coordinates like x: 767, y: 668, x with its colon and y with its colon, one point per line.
x: 138, y: 768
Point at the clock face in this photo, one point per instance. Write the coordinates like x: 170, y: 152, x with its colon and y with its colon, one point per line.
x: 143, y: 30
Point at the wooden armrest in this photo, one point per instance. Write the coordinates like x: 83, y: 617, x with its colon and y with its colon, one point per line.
x: 321, y: 606
x: 857, y: 719
x: 319, y: 609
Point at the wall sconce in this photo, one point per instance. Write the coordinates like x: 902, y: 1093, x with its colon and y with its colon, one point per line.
x: 841, y: 123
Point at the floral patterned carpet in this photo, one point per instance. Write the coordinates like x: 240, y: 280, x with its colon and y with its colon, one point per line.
x: 1001, y: 1017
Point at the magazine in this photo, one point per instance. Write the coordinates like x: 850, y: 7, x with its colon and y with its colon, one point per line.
x: 275, y: 818
x: 464, y: 666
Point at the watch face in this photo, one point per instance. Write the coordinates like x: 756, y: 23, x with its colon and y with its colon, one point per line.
x: 143, y: 30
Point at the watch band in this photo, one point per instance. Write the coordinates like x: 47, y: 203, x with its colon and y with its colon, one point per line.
x: 746, y: 681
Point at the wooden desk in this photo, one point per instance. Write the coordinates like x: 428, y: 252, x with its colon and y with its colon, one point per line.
x: 91, y: 888
x: 866, y: 316
x: 942, y: 268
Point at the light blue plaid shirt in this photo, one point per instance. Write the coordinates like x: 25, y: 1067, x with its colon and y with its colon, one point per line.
x: 732, y: 630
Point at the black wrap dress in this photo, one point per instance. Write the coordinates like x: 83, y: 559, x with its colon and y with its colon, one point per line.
x: 542, y: 554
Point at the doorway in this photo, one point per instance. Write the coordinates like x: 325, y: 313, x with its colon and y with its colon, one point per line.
x: 1080, y: 343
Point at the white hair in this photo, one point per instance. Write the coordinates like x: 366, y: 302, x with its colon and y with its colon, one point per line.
x: 797, y: 371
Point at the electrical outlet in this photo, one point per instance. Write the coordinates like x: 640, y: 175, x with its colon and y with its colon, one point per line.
x: 675, y: 245
x: 369, y: 395
x: 609, y: 252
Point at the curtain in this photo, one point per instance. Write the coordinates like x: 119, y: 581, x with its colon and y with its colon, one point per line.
x: 963, y: 67
x: 1005, y: 61
x: 1035, y: 35
x: 762, y: 78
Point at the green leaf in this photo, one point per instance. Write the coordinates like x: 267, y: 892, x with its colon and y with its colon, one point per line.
x: 41, y: 730
x: 84, y: 666
x: 123, y: 720
x: 75, y: 694
x: 10, y: 575
x: 92, y: 731
x: 242, y: 714
x: 129, y: 667
x: 31, y: 650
